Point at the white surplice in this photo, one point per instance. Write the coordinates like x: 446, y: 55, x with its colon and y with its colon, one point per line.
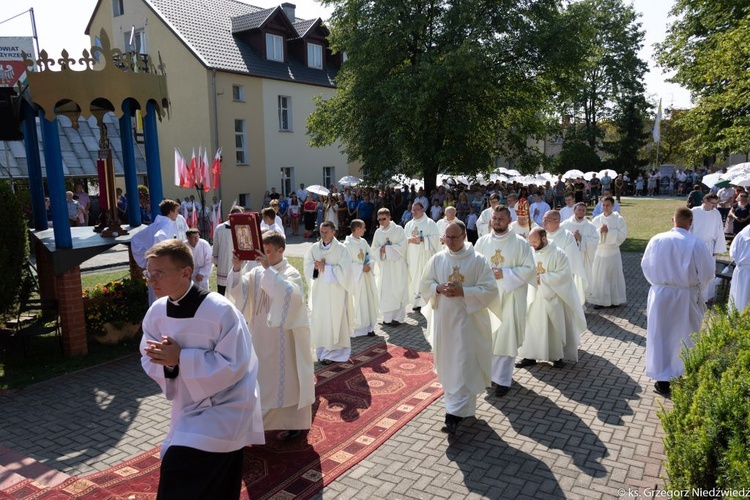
x: 392, y: 277
x: 222, y: 252
x: 708, y: 227
x: 566, y: 213
x: 678, y: 266
x: 565, y: 241
x: 202, y: 262
x: 587, y: 245
x: 522, y: 231
x: 330, y: 300
x: 739, y: 251
x: 365, y: 293
x: 607, y: 285
x: 483, y: 222
x: 273, y: 303
x: 555, y: 319
x: 512, y: 255
x: 459, y: 328
x: 215, y: 394
x: 417, y: 254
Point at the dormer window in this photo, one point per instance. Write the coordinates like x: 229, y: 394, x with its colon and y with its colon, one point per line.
x: 315, y: 56
x: 274, y: 48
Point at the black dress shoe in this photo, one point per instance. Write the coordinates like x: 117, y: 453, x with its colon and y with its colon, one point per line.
x: 501, y: 390
x: 451, y: 423
x: 558, y: 364
x: 291, y: 435
x: 327, y: 362
x: 525, y: 362
x: 662, y: 388
x: 597, y: 306
x: 392, y: 323
x: 371, y: 334
x: 416, y: 309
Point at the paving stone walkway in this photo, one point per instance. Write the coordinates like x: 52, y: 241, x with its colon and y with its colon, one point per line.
x: 585, y: 431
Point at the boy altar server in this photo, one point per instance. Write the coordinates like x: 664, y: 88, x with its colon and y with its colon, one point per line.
x: 197, y: 347
x: 365, y: 294
x: 271, y: 298
x: 392, y: 278
x: 328, y: 272
x: 512, y: 264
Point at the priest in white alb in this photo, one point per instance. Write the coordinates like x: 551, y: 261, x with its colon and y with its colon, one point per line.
x: 392, y: 277
x: 271, y: 297
x: 423, y: 242
x: 509, y: 256
x: 565, y: 241
x: 709, y: 228
x: 458, y: 287
x: 483, y: 222
x: 679, y: 267
x: 201, y: 257
x: 365, y: 293
x: 586, y: 236
x: 555, y: 319
x: 450, y: 215
x: 223, y: 249
x: 739, y: 252
x: 328, y: 272
x: 607, y: 285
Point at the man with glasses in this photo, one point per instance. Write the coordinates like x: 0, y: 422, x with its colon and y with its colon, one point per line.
x: 389, y: 255
x: 423, y: 242
x: 607, y: 285
x: 509, y: 256
x: 565, y: 241
x: 328, y: 272
x: 707, y: 226
x: 197, y: 347
x: 458, y: 287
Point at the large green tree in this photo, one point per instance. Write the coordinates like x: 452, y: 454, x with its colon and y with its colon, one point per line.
x: 708, y: 48
x: 611, y: 79
x: 443, y: 86
x: 632, y: 130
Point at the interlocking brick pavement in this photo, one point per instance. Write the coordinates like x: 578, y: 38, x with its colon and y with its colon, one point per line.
x: 580, y: 432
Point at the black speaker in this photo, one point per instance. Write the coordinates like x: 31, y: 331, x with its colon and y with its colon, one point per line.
x: 10, y: 115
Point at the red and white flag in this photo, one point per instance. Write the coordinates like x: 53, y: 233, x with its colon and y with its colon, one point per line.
x: 191, y: 171
x: 206, y: 172
x: 179, y: 168
x: 216, y: 168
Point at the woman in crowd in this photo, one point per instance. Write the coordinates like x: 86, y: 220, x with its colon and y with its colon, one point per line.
x: 310, y: 210
x: 295, y: 212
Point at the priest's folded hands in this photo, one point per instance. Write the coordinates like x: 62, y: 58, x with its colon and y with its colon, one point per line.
x: 450, y: 290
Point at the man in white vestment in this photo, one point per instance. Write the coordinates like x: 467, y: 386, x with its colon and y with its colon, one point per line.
x: 328, y: 272
x: 739, y: 251
x: 202, y: 258
x: 538, y: 208
x: 423, y: 242
x: 197, y: 347
x: 392, y: 277
x: 223, y: 249
x: 509, y: 256
x: 365, y: 293
x: 567, y: 211
x: 483, y: 222
x: 586, y: 236
x: 678, y: 266
x: 271, y: 222
x: 163, y: 228
x: 607, y: 285
x: 555, y: 319
x: 523, y: 223
x: 450, y: 215
x: 271, y: 297
x: 458, y: 287
x: 709, y: 228
x: 598, y: 208
x: 564, y: 240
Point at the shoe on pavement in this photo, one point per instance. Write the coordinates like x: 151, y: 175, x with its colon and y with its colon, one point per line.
x: 501, y: 390
x: 663, y: 389
x: 558, y: 364
x: 525, y: 362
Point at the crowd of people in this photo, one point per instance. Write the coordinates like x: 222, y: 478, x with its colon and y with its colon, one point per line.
x: 501, y: 273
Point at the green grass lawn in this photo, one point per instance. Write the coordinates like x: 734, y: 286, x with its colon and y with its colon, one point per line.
x: 645, y: 217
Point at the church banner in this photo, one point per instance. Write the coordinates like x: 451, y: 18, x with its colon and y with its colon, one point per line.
x: 12, y: 67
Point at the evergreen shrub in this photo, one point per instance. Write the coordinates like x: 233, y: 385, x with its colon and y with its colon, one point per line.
x: 14, y: 250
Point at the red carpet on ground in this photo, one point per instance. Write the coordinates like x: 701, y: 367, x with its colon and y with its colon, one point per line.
x: 359, y: 406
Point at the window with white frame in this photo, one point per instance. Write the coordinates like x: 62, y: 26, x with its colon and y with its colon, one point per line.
x: 274, y: 48
x: 240, y: 142
x: 238, y: 93
x: 138, y: 42
x: 329, y: 176
x: 287, y: 180
x: 244, y: 200
x: 315, y: 55
x: 117, y: 8
x: 285, y: 113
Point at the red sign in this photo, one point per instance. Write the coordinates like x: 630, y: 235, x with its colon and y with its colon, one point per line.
x: 12, y: 65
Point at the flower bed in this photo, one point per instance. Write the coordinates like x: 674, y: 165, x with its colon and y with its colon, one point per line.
x: 115, y: 305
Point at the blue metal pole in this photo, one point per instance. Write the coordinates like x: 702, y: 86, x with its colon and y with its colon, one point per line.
x: 34, y: 163
x: 128, y: 163
x: 153, y: 163
x: 56, y: 182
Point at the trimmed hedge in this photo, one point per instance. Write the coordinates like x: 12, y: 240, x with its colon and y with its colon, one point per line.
x: 708, y: 430
x: 14, y: 250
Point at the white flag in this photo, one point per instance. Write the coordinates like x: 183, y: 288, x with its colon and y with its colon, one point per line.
x: 657, y: 124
